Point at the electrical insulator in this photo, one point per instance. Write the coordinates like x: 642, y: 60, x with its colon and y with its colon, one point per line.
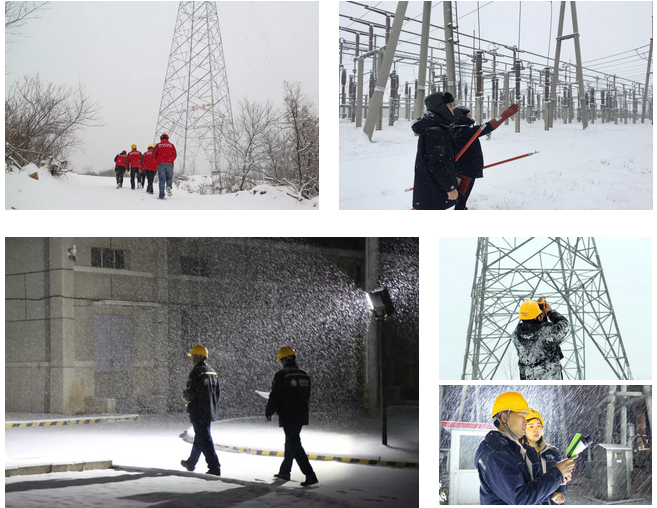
x: 344, y: 77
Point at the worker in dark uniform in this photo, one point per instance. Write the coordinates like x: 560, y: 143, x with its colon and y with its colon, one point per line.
x: 289, y: 397
x: 202, y: 397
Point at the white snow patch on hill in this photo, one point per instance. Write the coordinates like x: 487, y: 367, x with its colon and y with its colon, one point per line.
x: 86, y: 192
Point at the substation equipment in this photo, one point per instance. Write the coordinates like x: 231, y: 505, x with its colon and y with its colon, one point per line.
x: 486, y: 80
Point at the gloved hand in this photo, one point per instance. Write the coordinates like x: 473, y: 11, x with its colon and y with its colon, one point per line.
x: 508, y: 112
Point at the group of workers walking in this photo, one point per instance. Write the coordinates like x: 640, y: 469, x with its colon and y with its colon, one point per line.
x: 289, y: 399
x: 142, y: 167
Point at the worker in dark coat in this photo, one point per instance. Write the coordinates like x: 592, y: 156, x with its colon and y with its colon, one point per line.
x: 471, y: 163
x: 507, y: 469
x: 289, y: 398
x: 548, y: 455
x: 538, y: 339
x: 202, y: 397
x: 435, y: 176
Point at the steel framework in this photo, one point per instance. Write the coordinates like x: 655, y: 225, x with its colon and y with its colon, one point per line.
x: 195, y: 107
x: 568, y: 273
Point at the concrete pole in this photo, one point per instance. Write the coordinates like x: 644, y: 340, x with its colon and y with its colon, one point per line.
x: 506, y: 95
x: 424, y: 49
x: 623, y: 420
x: 645, y: 88
x: 377, y: 100
x: 479, y: 104
x: 609, y: 425
x: 557, y: 55
x: 518, y: 94
x: 449, y: 48
x: 580, y: 74
x: 647, y: 390
x: 359, y: 93
x: 372, y: 350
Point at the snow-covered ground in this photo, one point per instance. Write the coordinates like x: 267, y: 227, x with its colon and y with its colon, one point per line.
x: 151, y: 450
x: 603, y: 167
x: 87, y: 192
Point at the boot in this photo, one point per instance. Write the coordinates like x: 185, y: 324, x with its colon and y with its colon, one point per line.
x: 186, y: 465
x: 215, y: 472
x: 284, y: 477
x: 310, y: 480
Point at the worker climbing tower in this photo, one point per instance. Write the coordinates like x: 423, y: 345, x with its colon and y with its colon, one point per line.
x: 195, y: 108
x: 565, y: 271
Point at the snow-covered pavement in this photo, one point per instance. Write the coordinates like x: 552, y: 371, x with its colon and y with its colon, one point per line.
x: 153, y: 446
x: 86, y: 192
x: 605, y: 167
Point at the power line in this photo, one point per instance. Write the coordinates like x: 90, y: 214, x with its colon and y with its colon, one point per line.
x: 628, y: 51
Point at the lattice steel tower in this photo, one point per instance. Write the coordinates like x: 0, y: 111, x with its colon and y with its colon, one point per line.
x: 568, y: 273
x: 195, y: 107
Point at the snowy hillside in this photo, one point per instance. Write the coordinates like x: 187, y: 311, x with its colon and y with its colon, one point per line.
x: 604, y: 167
x: 86, y: 192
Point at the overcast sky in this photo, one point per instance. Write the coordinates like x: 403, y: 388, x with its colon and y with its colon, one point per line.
x: 605, y: 28
x: 626, y: 263
x: 119, y: 51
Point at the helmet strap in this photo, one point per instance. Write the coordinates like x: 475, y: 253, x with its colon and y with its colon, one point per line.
x: 508, y: 412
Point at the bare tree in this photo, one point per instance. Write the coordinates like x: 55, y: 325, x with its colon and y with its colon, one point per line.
x: 18, y: 13
x: 44, y: 121
x: 302, y: 128
x: 246, y: 145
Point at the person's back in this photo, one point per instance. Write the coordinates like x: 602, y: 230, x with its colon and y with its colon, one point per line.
x: 203, y: 393
x: 538, y: 347
x: 471, y: 163
x: 434, y: 163
x: 291, y: 395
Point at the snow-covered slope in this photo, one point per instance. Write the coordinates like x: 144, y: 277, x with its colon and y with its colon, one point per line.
x: 604, y: 167
x: 86, y: 192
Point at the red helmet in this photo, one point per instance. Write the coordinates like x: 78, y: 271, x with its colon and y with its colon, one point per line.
x: 164, y: 136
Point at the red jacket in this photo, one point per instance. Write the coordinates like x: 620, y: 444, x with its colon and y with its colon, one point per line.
x: 164, y: 151
x: 121, y: 160
x: 148, y: 162
x: 134, y: 158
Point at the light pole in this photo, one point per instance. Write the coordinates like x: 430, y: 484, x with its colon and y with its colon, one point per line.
x: 381, y: 304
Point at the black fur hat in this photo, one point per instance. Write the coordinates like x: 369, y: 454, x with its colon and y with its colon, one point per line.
x: 435, y: 100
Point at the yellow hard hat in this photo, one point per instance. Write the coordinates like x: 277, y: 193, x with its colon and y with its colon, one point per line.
x: 284, y: 352
x: 513, y: 401
x: 529, y: 310
x: 134, y: 146
x: 534, y: 414
x: 198, y: 350
x: 150, y: 146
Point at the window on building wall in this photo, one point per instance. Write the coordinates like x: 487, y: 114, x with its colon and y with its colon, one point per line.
x: 108, y: 258
x: 194, y: 266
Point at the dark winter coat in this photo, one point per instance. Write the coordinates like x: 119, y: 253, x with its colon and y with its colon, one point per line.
x: 547, y: 459
x: 471, y: 163
x: 435, y: 175
x: 538, y: 347
x: 506, y: 472
x: 202, y: 394
x: 121, y: 160
x: 290, y: 396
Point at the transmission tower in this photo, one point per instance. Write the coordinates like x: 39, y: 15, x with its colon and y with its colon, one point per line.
x: 568, y: 273
x: 195, y: 107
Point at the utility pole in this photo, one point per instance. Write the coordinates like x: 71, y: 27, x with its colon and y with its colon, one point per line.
x: 424, y: 49
x: 557, y: 56
x: 645, y: 88
x: 376, y: 101
x: 449, y: 48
